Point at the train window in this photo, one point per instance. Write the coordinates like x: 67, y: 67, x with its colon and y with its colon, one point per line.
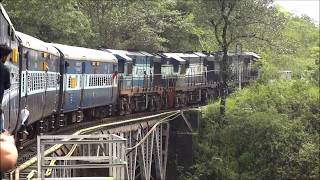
x: 176, y: 68
x: 110, y: 68
x: 26, y: 55
x: 115, y: 68
x: 99, y: 80
x: 106, y: 67
x: 134, y: 61
x: 66, y: 65
x: 130, y: 68
x: 121, y: 66
x: 183, y: 69
x: 90, y: 80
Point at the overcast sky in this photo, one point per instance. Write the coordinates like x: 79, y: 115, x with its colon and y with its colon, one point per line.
x: 299, y: 7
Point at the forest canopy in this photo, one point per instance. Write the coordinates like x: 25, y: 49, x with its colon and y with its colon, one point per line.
x: 289, y: 42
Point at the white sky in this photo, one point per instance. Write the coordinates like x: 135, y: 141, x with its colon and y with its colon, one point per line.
x: 299, y: 7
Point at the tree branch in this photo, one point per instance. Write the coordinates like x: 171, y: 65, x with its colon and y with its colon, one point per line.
x: 216, y: 33
x: 233, y: 39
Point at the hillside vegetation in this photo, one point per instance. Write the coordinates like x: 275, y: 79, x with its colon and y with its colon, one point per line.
x: 269, y: 132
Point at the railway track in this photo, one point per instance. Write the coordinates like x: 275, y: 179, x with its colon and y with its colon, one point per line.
x: 27, y: 160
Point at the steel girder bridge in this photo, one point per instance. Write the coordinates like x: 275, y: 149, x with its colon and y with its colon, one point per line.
x: 131, y: 149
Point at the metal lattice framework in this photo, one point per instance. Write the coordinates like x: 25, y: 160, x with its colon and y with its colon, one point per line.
x: 93, y: 151
x: 148, y: 156
x: 147, y: 149
x: 140, y: 153
x: 133, y: 149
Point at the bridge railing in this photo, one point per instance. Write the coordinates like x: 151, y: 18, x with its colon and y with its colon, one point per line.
x: 103, y: 151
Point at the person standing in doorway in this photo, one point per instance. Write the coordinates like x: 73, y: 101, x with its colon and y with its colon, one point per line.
x: 4, y: 79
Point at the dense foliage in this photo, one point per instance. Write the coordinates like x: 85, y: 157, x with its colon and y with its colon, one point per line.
x: 271, y: 128
x: 285, y: 42
x: 269, y: 132
x: 52, y: 21
x: 143, y: 25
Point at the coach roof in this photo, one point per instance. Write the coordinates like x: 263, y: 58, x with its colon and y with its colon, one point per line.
x: 81, y: 53
x: 208, y: 56
x: 122, y: 53
x: 176, y: 56
x: 36, y: 44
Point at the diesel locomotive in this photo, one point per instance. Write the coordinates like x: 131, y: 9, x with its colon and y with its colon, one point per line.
x: 58, y: 85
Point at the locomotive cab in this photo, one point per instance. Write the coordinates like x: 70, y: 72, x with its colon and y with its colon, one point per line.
x: 157, y: 71
x: 125, y: 66
x: 137, y: 89
x: 174, y: 70
x: 211, y: 68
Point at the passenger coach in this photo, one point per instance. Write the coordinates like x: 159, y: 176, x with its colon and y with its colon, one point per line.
x: 40, y: 74
x: 89, y: 83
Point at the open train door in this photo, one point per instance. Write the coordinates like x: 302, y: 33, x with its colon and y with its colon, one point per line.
x: 11, y: 98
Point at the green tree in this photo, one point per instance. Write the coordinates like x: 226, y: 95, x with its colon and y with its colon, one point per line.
x: 52, y: 21
x: 142, y: 25
x: 233, y: 21
x: 296, y: 48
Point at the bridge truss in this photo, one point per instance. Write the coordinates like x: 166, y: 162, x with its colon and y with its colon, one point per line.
x: 132, y: 149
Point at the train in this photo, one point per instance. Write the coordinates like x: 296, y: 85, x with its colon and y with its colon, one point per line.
x: 59, y: 85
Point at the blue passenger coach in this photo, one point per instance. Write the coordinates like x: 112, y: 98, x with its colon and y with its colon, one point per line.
x: 89, y: 80
x: 40, y: 66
